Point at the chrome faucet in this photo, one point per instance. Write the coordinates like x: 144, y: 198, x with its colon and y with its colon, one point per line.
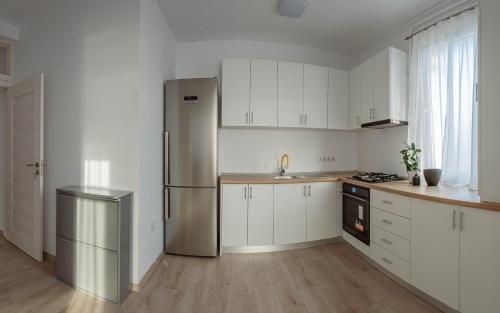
x: 283, y: 164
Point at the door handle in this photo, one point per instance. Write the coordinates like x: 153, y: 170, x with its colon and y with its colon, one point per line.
x: 246, y: 118
x: 251, y: 118
x: 250, y: 193
x: 387, y: 261
x: 36, y: 164
x: 167, y: 202
x: 305, y: 120
x: 309, y: 187
x: 245, y: 193
x: 387, y: 222
x: 300, y: 119
x: 454, y: 222
x: 462, y: 221
x: 166, y: 172
x: 304, y: 194
x: 387, y: 241
x: 386, y: 202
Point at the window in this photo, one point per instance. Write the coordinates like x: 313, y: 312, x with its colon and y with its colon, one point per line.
x: 443, y: 108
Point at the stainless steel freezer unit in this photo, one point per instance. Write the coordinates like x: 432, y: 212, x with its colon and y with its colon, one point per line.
x: 190, y: 169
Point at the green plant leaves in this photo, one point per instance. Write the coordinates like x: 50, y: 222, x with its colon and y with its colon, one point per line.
x: 411, y: 157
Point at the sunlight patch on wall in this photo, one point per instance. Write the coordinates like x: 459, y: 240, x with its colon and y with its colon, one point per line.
x: 97, y: 173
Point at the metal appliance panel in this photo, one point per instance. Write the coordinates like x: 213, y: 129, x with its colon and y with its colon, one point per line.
x: 191, y: 114
x: 191, y: 221
x: 356, y: 210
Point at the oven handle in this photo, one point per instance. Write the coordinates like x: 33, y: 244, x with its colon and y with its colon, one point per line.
x: 354, y: 197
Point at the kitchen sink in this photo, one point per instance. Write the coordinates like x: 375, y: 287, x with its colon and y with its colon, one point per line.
x: 286, y: 177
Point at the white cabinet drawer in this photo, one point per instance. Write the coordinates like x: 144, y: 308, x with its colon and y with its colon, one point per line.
x: 390, y: 202
x: 395, y: 244
x: 391, y: 262
x: 393, y: 223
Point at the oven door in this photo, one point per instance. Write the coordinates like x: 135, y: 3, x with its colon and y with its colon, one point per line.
x: 356, y: 217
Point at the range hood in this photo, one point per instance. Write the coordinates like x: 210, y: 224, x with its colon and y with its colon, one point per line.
x: 384, y: 124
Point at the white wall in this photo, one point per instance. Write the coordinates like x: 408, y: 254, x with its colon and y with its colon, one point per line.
x: 157, y: 63
x: 260, y: 150
x: 378, y: 150
x: 89, y: 52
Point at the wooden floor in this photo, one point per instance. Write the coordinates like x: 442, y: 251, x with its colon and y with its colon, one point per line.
x: 331, y: 278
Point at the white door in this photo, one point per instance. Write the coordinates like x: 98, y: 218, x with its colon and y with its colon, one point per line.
x: 289, y: 213
x: 235, y: 92
x: 435, y: 250
x: 260, y: 215
x: 23, y: 215
x: 479, y: 260
x: 381, y: 85
x: 338, y: 102
x: 264, y: 93
x: 234, y: 215
x: 355, y: 98
x: 290, y: 94
x: 366, y: 91
x: 321, y: 211
x: 315, y: 96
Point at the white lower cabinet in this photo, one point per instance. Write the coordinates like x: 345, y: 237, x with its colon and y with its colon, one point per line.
x: 479, y: 261
x: 435, y: 244
x: 290, y: 213
x: 321, y: 211
x: 234, y: 215
x: 260, y: 215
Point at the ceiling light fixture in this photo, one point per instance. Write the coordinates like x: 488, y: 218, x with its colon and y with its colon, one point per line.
x: 292, y: 8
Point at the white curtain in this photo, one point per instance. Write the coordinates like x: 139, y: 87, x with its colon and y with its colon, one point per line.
x: 442, y: 113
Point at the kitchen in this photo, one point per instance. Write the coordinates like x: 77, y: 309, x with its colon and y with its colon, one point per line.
x: 271, y: 144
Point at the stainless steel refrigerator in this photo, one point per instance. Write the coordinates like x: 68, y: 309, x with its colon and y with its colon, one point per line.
x: 190, y: 157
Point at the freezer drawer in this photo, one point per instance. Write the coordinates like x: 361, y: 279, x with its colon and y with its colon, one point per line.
x: 91, y: 221
x: 89, y: 268
x: 191, y: 221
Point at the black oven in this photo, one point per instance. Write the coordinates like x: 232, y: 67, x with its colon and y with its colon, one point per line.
x: 356, y: 211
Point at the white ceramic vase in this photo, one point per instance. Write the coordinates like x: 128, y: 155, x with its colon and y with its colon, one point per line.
x: 411, y: 174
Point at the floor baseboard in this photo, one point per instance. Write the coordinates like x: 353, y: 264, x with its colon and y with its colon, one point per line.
x: 49, y: 257
x: 145, y: 278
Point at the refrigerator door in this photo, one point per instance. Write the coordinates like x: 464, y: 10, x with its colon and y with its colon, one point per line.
x: 191, y: 221
x: 191, y: 114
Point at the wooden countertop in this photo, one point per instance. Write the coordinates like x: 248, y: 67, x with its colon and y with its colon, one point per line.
x: 268, y: 178
x: 454, y: 196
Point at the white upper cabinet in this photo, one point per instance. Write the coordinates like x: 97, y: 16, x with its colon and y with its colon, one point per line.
x: 264, y: 93
x: 260, y: 215
x: 378, y: 89
x: 355, y: 98
x: 366, y: 91
x: 338, y: 103
x: 435, y: 250
x: 315, y: 96
x: 235, y: 92
x: 390, y: 86
x: 290, y: 94
x: 6, y: 62
x: 321, y: 211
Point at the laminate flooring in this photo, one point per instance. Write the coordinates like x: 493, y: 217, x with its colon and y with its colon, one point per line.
x: 331, y: 278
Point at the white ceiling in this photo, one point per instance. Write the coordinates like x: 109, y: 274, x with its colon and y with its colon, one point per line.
x: 344, y: 26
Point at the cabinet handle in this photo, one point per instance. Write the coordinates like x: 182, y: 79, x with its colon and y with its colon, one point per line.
x: 300, y: 119
x: 250, y: 193
x: 246, y: 118
x: 462, y: 221
x: 387, y: 241
x: 454, y: 222
x: 374, y: 110
x: 245, y: 193
x: 357, y: 120
x: 387, y: 261
x: 251, y: 118
x: 386, y: 202
x: 304, y: 194
x: 386, y: 222
x: 309, y: 190
x: 305, y: 120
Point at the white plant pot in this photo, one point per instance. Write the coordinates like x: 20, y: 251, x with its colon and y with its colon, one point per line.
x: 410, y: 176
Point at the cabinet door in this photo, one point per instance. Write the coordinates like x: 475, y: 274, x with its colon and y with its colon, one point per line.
x: 355, y: 98
x: 315, y: 96
x: 381, y: 85
x: 264, y: 93
x: 338, y: 104
x: 290, y: 94
x: 260, y: 215
x: 321, y: 211
x: 366, y: 91
x: 235, y: 92
x: 234, y: 215
x: 289, y: 213
x: 479, y: 260
x: 435, y: 250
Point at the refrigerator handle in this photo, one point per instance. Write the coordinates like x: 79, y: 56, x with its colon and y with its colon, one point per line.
x: 166, y: 174
x: 167, y: 203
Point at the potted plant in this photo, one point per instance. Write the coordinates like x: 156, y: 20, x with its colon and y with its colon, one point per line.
x: 411, y: 159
